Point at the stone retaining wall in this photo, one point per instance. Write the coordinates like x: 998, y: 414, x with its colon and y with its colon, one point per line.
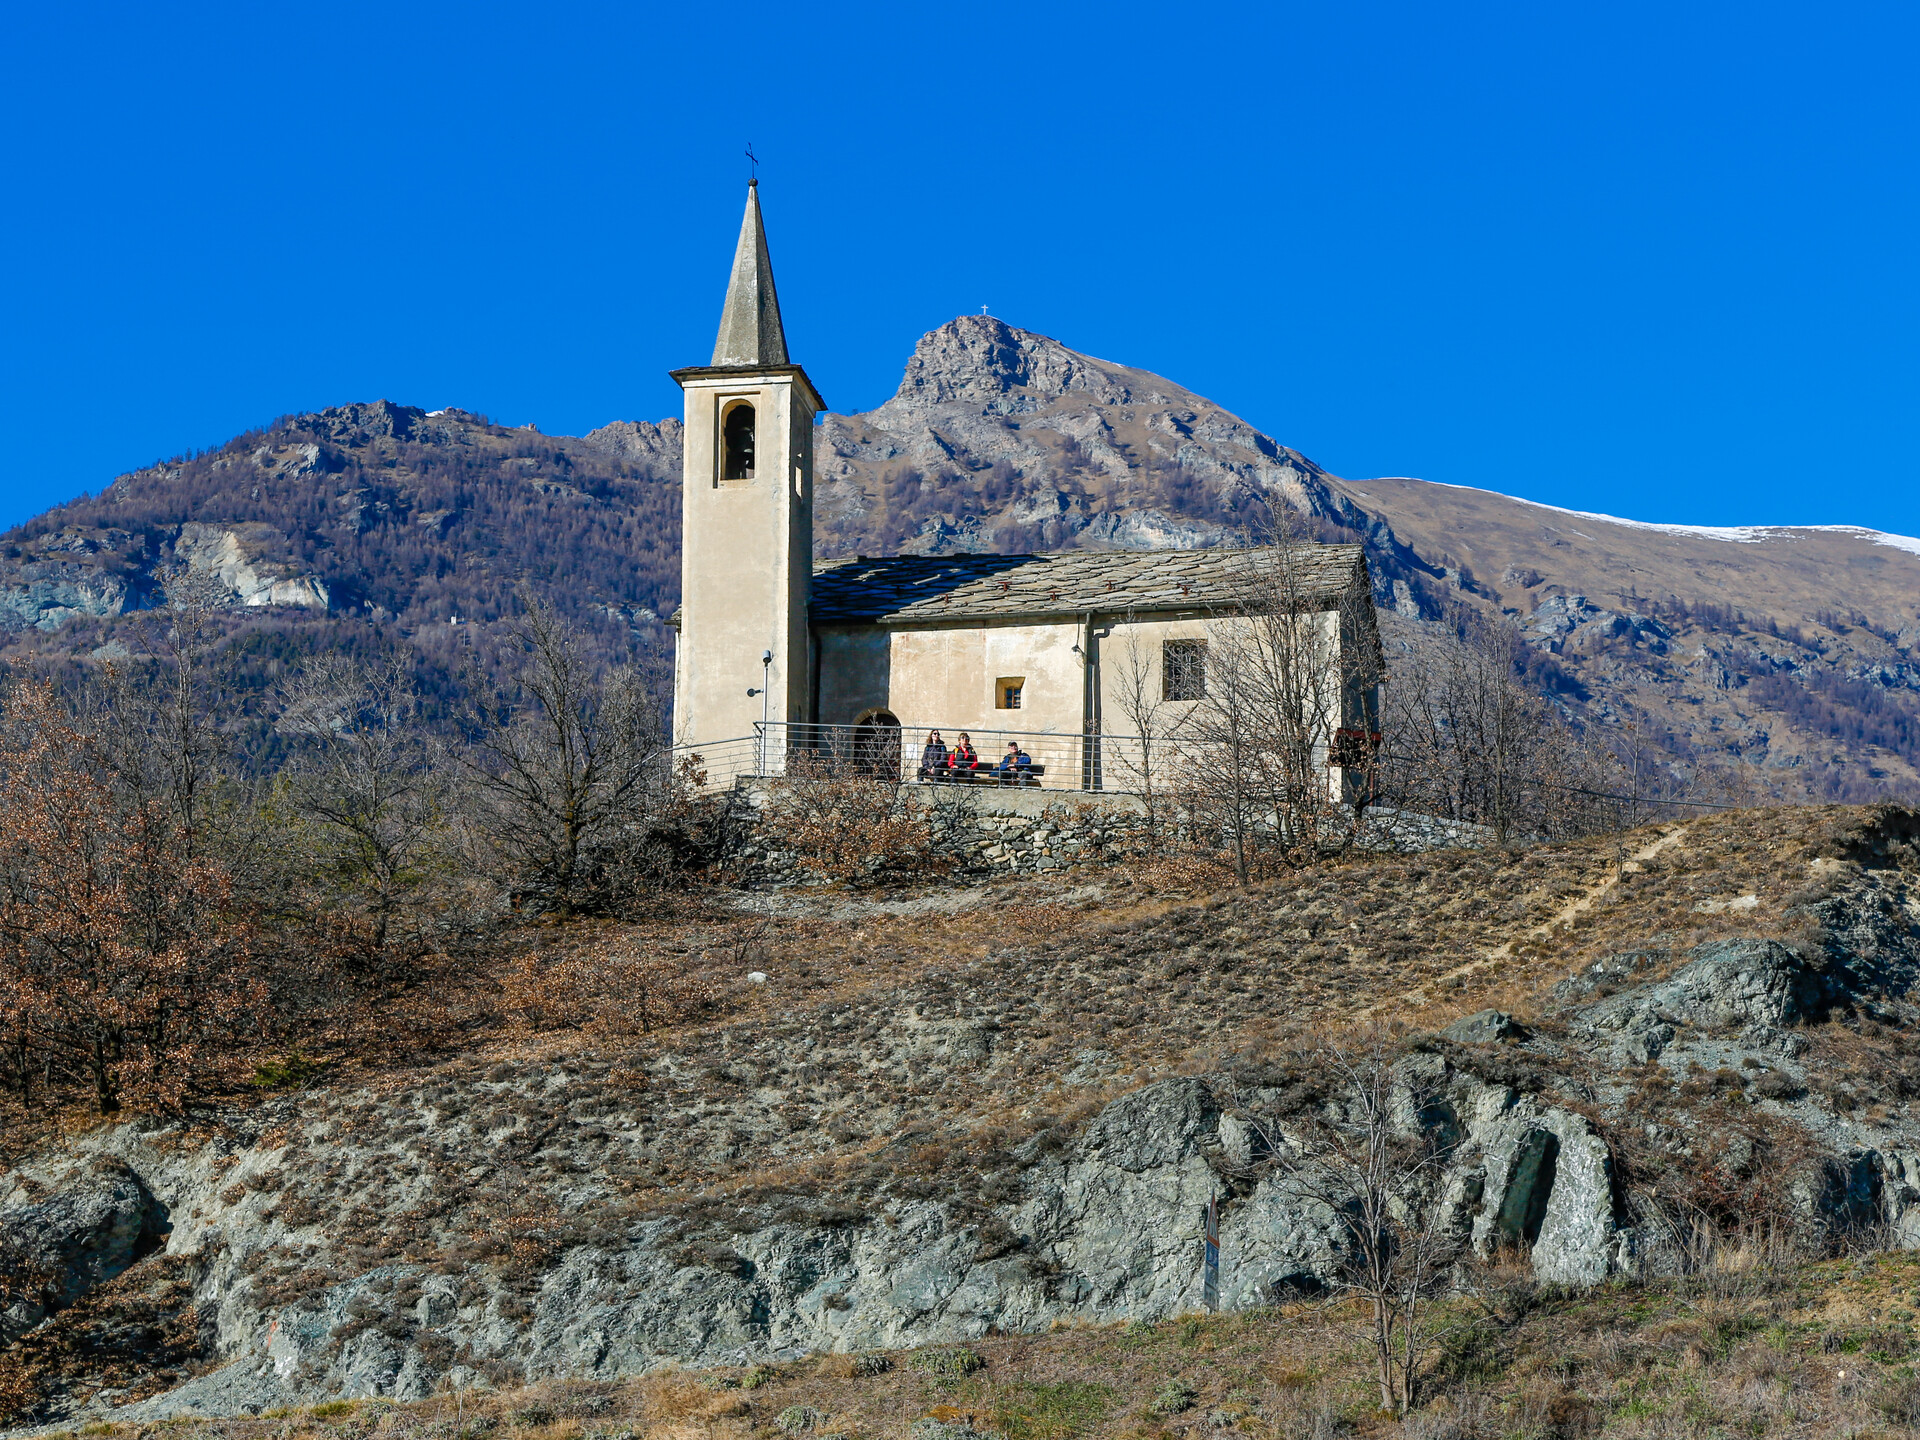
x: 1010, y: 831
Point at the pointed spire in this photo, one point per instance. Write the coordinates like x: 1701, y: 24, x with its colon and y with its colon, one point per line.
x: 750, y: 329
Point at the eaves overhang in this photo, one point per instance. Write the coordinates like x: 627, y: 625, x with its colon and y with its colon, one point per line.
x: 750, y: 372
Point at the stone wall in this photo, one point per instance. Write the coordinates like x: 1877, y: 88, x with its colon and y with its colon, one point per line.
x: 991, y: 830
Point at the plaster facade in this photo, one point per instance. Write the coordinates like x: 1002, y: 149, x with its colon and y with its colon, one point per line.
x: 746, y: 531
x: 951, y: 676
x: 1079, y: 676
x: 746, y: 556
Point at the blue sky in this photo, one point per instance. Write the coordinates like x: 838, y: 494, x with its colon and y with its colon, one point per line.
x: 1652, y: 260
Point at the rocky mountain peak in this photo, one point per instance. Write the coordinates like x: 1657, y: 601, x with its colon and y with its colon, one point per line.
x: 980, y: 360
x: 347, y: 423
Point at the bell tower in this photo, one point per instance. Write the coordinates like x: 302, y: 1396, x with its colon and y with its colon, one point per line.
x: 746, y: 536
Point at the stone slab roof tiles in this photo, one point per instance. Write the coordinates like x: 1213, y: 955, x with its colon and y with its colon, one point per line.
x: 929, y: 589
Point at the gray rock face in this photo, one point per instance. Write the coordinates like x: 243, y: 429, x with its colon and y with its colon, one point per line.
x: 76, y: 574
x: 86, y: 1232
x: 1076, y: 448
x: 1752, y: 985
x: 49, y: 600
x: 980, y: 361
x: 653, y: 446
x: 239, y: 558
x: 1485, y: 1027
x: 1571, y: 621
x: 1109, y: 1230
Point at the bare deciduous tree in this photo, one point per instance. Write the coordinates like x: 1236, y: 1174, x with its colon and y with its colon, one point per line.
x: 1471, y: 741
x: 156, y: 723
x: 1291, y: 672
x: 1372, y: 1156
x: 122, y: 953
x: 567, y: 767
x: 1153, y: 724
x: 367, y: 777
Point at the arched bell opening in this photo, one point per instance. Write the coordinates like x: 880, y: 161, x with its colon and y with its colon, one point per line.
x: 736, y: 441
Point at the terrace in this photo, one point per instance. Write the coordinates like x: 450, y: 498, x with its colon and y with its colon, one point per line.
x: 897, y: 753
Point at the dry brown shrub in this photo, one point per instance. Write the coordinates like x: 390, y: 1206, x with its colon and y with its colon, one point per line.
x: 845, y: 824
x: 21, y: 1381
x: 611, y: 987
x: 128, y: 963
x: 677, y: 1404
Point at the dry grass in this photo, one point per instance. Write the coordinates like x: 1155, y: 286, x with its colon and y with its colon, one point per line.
x: 1815, y: 1351
x: 835, y: 1077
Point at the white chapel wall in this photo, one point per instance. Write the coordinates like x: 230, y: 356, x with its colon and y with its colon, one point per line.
x: 1144, y: 637
x: 948, y: 677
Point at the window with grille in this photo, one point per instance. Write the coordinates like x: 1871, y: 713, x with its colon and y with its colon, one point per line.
x: 1006, y: 692
x: 1183, y: 670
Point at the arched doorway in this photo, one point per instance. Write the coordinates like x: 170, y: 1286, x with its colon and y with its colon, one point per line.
x: 876, y: 745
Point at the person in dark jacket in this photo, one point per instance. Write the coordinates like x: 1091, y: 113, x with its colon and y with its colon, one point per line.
x: 1013, y: 766
x: 933, y: 757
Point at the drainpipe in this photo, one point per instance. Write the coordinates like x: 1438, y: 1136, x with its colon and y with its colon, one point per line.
x: 1089, y: 705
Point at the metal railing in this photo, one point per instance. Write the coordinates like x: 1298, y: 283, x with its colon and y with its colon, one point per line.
x: 1124, y: 764
x: 1055, y: 761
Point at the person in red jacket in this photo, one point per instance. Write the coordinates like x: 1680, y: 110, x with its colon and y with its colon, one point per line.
x: 963, y: 759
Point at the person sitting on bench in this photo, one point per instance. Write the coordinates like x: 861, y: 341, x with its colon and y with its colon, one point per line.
x: 933, y: 757
x: 963, y: 760
x: 1012, y: 769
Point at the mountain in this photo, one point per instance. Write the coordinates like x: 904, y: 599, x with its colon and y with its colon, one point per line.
x: 1002, y: 440
x: 1791, y: 649
x: 381, y: 511
x: 1791, y: 646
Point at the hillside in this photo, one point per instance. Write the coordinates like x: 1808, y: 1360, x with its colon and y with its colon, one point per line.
x: 380, y: 512
x: 1788, y: 651
x: 949, y: 1116
x: 1792, y: 647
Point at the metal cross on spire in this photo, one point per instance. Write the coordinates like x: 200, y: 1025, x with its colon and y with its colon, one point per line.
x: 756, y: 163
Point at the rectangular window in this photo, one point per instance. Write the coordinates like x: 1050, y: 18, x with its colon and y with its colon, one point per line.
x: 1006, y: 692
x: 1183, y: 670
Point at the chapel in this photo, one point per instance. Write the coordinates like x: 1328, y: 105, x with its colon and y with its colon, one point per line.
x: 1049, y: 654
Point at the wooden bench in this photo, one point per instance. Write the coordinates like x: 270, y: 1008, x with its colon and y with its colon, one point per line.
x: 986, y: 775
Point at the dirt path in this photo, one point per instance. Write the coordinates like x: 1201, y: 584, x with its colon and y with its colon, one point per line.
x: 1565, y: 915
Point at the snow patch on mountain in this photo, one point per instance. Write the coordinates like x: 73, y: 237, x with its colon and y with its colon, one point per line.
x: 1736, y: 534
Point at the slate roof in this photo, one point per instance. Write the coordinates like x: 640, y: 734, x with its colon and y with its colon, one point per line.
x: 905, y: 589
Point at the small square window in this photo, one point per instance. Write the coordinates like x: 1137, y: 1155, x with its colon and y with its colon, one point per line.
x: 1183, y: 670
x: 1006, y: 691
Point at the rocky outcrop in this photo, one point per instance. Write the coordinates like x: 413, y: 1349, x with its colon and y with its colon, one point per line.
x: 239, y: 559
x: 1079, y: 452
x: 97, y: 1221
x: 74, y: 574
x: 1563, y: 622
x: 654, y: 447
x: 43, y: 601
